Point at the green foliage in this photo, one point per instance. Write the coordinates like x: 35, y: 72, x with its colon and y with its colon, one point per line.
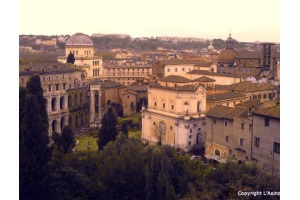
x: 124, y: 130
x: 108, y: 131
x: 67, y: 139
x: 126, y: 122
x: 71, y: 58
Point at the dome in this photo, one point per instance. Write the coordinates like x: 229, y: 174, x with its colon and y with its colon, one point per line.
x: 79, y: 39
x: 228, y: 55
x: 210, y: 47
x: 230, y: 39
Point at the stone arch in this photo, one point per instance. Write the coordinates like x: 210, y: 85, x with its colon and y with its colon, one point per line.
x: 53, y: 104
x: 75, y: 100
x: 62, y: 102
x: 82, y: 119
x: 69, y: 101
x: 54, y: 124
x: 81, y: 98
x: 217, y: 152
x: 71, y: 122
x: 76, y: 121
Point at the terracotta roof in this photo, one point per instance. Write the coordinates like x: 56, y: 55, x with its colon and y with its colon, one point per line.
x: 189, y: 88
x: 270, y: 112
x: 184, y: 61
x: 175, y: 79
x: 246, y: 86
x: 208, y: 73
x: 228, y: 56
x: 224, y: 112
x: 225, y: 95
x: 204, y: 79
x: 249, y: 104
x: 46, y: 68
x: 137, y: 87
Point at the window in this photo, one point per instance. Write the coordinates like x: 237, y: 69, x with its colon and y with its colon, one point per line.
x: 163, y: 105
x: 214, y: 121
x: 190, y: 144
x: 22, y: 80
x: 128, y: 96
x: 225, y: 123
x: 49, y: 88
x: 242, y: 126
x: 265, y: 96
x: 259, y: 96
x: 227, y: 138
x: 154, y: 123
x: 70, y: 86
x: 191, y: 130
x: 172, y: 107
x: 56, y: 87
x: 49, y: 77
x: 183, y: 69
x: 254, y: 97
x: 241, y: 141
x: 64, y: 86
x: 256, y: 141
x: 250, y: 127
x: 276, y: 147
x: 175, y: 69
x: 267, y: 122
x: 270, y: 95
x: 44, y: 78
x: 171, y: 128
x: 154, y: 103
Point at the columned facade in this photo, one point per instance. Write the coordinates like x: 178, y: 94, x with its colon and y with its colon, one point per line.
x: 96, y: 95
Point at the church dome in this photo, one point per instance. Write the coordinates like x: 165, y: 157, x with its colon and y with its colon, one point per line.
x: 228, y: 55
x: 79, y: 39
x: 230, y: 39
x: 210, y: 47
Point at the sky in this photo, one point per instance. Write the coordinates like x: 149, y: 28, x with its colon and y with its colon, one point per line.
x: 247, y: 20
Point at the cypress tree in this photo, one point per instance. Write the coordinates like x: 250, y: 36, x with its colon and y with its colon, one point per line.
x: 71, y: 58
x: 35, y: 152
x: 108, y: 131
x: 67, y: 139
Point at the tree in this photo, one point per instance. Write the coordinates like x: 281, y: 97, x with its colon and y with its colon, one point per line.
x: 71, y: 58
x: 34, y: 150
x: 159, y: 131
x: 67, y: 139
x: 124, y: 130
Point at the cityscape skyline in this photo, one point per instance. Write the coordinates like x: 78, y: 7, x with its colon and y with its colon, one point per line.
x: 199, y: 19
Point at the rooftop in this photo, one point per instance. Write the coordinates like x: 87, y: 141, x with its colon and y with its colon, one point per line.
x: 208, y: 73
x: 175, y: 79
x: 204, y: 79
x: 224, y: 112
x: 187, y: 88
x: 79, y: 39
x: 269, y: 112
x: 224, y: 96
x: 246, y: 86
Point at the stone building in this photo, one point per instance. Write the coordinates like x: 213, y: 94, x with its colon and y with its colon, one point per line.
x: 175, y: 113
x: 228, y: 133
x: 64, y: 91
x: 227, y: 57
x: 82, y: 47
x: 266, y: 138
x: 126, y: 73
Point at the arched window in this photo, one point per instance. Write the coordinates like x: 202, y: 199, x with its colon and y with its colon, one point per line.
x: 186, y: 103
x: 81, y: 99
x: 54, y: 122
x: 62, y: 123
x: 217, y: 152
x: 76, y: 121
x: 75, y: 100
x: 62, y: 103
x: 53, y: 104
x: 69, y: 101
x: 71, y: 122
x: 198, y: 106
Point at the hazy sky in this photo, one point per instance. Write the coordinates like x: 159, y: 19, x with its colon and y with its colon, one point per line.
x: 248, y: 20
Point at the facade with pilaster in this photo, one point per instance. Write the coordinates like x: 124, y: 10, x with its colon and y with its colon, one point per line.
x: 175, y: 114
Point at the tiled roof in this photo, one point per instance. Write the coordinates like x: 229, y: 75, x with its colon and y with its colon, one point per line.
x: 46, y: 68
x: 79, y: 39
x: 189, y: 88
x: 270, y: 112
x: 224, y: 112
x: 225, y: 95
x: 246, y: 86
x: 208, y: 73
x: 248, y: 104
x: 228, y: 56
x: 175, y: 79
x: 204, y: 79
x: 183, y: 61
x: 137, y: 87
